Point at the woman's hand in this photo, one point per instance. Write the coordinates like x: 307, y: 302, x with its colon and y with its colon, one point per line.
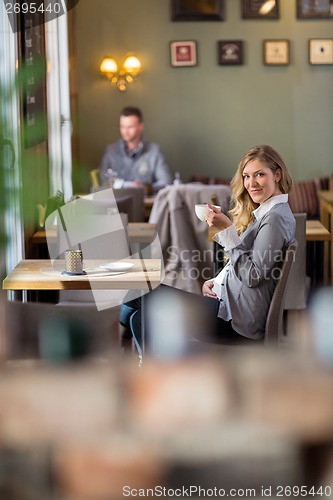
x: 216, y: 218
x: 207, y: 289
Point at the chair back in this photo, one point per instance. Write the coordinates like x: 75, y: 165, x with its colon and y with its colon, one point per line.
x: 115, y: 194
x: 274, y: 330
x: 137, y: 194
x: 124, y: 204
x: 191, y: 260
x: 297, y: 290
x: 94, y: 177
x: 101, y: 236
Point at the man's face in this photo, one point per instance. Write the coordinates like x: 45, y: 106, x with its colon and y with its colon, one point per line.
x: 130, y: 128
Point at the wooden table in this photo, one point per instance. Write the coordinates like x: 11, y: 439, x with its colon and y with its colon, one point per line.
x: 139, y: 233
x: 315, y: 231
x: 326, y: 217
x: 37, y: 274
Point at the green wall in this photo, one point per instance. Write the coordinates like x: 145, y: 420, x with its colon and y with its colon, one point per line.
x: 206, y: 117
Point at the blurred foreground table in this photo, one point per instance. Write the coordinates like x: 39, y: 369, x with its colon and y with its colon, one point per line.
x: 246, y: 424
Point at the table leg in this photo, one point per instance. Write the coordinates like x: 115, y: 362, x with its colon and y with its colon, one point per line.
x: 326, y: 262
x: 17, y: 295
x: 326, y: 218
x: 324, y: 214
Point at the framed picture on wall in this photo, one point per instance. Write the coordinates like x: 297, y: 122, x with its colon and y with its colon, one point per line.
x: 183, y: 53
x: 260, y: 9
x: 276, y: 52
x: 197, y: 10
x: 230, y: 52
x: 312, y: 9
x: 321, y: 51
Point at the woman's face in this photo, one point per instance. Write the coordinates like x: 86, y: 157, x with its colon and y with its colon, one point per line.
x: 260, y: 181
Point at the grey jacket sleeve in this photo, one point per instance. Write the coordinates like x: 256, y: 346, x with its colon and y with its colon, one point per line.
x: 262, y: 248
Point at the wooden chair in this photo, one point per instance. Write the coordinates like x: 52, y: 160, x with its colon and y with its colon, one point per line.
x: 94, y: 177
x: 124, y: 204
x: 274, y: 331
x: 137, y: 194
x: 298, y: 290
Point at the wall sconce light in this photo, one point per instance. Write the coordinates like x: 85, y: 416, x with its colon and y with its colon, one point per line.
x: 123, y: 77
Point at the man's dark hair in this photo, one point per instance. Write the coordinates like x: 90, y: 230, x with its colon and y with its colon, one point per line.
x: 132, y: 111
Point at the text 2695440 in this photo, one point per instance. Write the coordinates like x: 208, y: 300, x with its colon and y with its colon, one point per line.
x: 33, y: 8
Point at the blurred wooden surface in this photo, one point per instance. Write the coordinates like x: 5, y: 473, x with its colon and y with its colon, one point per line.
x: 229, y: 420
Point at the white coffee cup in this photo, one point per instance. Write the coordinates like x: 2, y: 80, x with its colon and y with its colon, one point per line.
x: 201, y: 210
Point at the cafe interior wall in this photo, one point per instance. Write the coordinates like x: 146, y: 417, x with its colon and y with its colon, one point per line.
x: 206, y: 117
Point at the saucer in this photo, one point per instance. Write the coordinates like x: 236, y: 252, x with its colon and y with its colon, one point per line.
x: 117, y: 266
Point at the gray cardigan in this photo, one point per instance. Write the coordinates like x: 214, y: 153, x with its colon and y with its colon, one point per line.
x: 148, y: 165
x: 253, y: 269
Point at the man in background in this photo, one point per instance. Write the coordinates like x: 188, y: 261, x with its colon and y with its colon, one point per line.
x: 131, y: 160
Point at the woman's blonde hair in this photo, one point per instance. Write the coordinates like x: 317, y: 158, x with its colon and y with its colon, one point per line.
x: 241, y: 213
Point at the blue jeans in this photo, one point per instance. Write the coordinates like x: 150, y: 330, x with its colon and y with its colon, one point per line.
x: 130, y: 315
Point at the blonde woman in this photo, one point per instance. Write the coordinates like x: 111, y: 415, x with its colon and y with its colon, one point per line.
x: 263, y: 226
x: 254, y: 240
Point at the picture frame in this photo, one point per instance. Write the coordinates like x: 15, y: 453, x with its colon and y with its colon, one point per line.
x: 321, y: 51
x: 260, y: 9
x: 197, y: 10
x: 276, y: 52
x: 310, y: 9
x: 230, y: 52
x: 183, y: 53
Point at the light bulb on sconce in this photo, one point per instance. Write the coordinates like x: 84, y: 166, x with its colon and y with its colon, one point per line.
x: 123, y: 77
